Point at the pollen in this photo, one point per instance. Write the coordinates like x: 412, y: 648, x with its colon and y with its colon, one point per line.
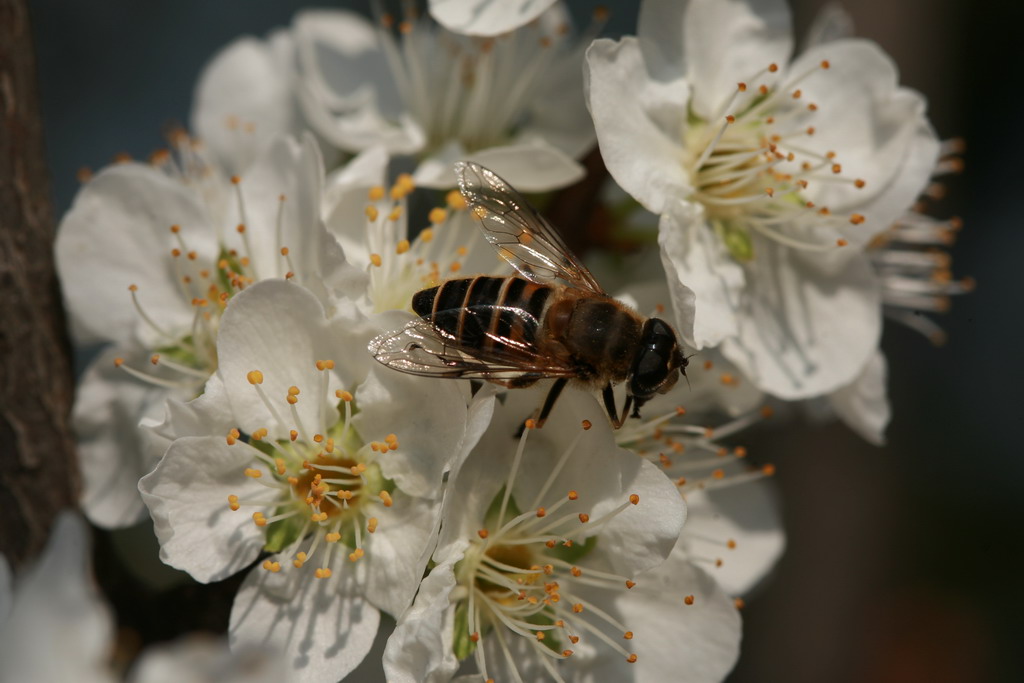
x: 372, y: 213
x: 426, y: 235
x: 437, y: 215
x: 233, y: 503
x: 634, y: 499
x: 376, y: 193
x: 573, y: 495
x: 375, y: 260
x: 253, y: 472
x: 631, y: 659
x: 385, y: 498
x: 322, y: 573
x: 254, y: 377
x: 857, y: 219
x: 402, y: 247
x: 371, y: 524
x: 343, y: 395
x: 688, y: 600
x: 272, y: 567
x: 355, y: 555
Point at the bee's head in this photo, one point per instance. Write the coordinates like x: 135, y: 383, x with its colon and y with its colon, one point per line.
x: 656, y: 362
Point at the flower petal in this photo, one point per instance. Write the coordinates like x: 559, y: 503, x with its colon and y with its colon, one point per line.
x: 864, y: 404
x: 529, y: 166
x: 56, y: 608
x: 486, y: 17
x: 878, y: 130
x: 713, y: 43
x: 705, y: 282
x: 639, y: 122
x: 428, y: 417
x: 674, y: 640
x: 109, y: 404
x: 243, y: 98
x: 278, y: 328
x: 322, y: 627
x: 420, y: 649
x: 116, y: 234
x: 187, y: 495
x: 199, y: 657
x: 810, y: 323
x: 397, y: 552
x: 740, y: 525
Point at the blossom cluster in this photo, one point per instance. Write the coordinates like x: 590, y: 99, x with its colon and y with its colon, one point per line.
x: 238, y: 277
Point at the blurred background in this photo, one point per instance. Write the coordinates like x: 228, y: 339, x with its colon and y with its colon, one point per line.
x: 904, y: 563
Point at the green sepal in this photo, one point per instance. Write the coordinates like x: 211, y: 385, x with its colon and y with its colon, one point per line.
x: 284, y: 532
x: 462, y: 645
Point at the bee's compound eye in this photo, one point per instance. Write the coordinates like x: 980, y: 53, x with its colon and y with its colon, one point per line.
x: 654, y: 368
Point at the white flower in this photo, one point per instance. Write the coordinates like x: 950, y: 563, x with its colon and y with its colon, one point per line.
x: 243, y: 99
x: 372, y: 227
x: 172, y: 242
x: 541, y: 564
x: 759, y: 170
x: 54, y: 625
x: 486, y: 17
x: 513, y: 103
x: 313, y: 452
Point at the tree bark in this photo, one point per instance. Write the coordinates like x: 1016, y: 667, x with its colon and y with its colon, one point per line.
x: 38, y: 470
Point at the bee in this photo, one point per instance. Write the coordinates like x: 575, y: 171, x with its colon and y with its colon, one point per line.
x: 553, y: 320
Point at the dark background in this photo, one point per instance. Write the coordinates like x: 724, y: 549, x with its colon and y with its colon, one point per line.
x: 904, y: 562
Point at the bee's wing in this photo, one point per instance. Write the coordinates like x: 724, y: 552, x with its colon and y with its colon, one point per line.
x: 421, y: 348
x: 520, y: 234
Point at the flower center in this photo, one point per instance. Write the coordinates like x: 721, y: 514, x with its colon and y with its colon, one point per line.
x: 521, y: 573
x: 752, y: 162
x: 326, y: 488
x: 400, y: 267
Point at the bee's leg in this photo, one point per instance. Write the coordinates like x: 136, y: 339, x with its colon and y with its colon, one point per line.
x: 549, y: 402
x: 609, y: 406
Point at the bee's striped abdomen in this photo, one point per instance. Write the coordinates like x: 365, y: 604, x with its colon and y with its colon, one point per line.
x: 485, y: 312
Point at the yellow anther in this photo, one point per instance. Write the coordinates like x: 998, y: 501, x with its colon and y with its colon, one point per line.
x: 272, y: 566
x: 631, y: 659
x: 573, y: 495
x: 630, y: 584
x: 402, y: 247
x: 455, y: 200
x: 233, y: 502
x: 482, y: 533
x: 254, y: 377
x: 688, y: 600
x: 375, y: 259
x: 322, y: 573
x: 628, y: 635
x: 634, y: 499
x: 343, y: 395
x: 259, y: 519
x: 253, y: 472
x: 371, y: 524
x: 541, y: 512
x: 395, y: 214
x: 372, y: 213
x: 332, y: 537
x: 292, y: 400
x: 355, y: 554
x: 376, y: 193
x: 584, y: 517
x: 437, y: 215
x: 385, y: 498
x: 426, y: 235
